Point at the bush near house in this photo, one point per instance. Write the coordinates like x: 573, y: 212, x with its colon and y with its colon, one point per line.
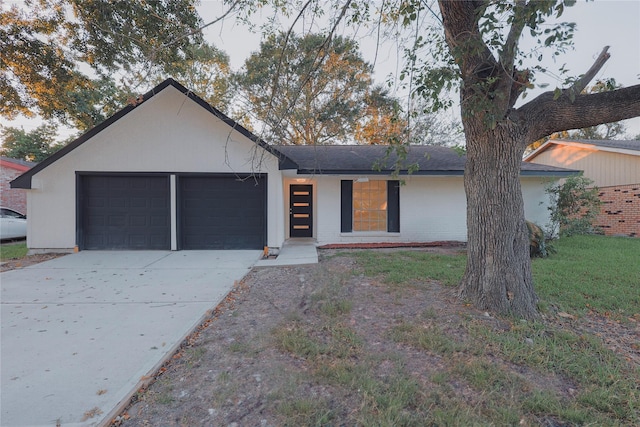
x: 574, y: 206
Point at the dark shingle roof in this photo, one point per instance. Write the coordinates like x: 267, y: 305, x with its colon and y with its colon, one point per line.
x: 19, y: 161
x: 378, y: 159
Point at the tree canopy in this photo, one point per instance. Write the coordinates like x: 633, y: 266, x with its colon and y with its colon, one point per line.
x: 32, y: 146
x: 314, y: 89
x: 58, y: 58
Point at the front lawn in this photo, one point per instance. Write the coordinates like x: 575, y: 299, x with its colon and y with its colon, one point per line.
x: 378, y: 338
x: 591, y: 273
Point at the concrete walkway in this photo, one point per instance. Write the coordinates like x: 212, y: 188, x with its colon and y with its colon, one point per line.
x: 79, y: 332
x: 293, y: 252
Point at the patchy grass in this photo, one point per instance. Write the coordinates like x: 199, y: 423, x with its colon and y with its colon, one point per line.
x: 409, y: 266
x: 587, y: 273
x: 13, y: 251
x: 371, y: 338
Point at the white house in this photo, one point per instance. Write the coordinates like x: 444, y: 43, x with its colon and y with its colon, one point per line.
x: 172, y: 172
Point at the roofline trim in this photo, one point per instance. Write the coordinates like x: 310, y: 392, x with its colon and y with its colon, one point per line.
x: 24, y: 180
x: 527, y: 173
x: 585, y: 145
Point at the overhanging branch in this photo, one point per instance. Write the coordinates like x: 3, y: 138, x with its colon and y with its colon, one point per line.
x: 583, y: 81
x: 546, y: 115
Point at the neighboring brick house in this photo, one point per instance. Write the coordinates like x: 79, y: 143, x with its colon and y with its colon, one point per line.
x: 13, y: 198
x: 614, y: 166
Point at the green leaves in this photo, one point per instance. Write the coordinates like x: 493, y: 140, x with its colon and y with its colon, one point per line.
x: 310, y: 90
x: 574, y: 205
x: 33, y: 146
x: 49, y: 46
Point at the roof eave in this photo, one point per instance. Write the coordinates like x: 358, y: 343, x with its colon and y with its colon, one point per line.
x: 24, y: 180
x: 551, y: 174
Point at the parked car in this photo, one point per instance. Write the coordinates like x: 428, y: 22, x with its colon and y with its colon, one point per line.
x: 13, y: 224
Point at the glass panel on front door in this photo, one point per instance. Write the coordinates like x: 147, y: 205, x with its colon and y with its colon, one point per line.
x: 301, y: 211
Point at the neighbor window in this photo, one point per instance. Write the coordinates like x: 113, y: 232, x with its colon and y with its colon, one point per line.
x: 370, y: 206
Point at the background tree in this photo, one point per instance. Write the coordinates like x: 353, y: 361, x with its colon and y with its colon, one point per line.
x: 382, y: 121
x: 58, y: 56
x: 206, y: 71
x: 312, y: 89
x: 32, y: 146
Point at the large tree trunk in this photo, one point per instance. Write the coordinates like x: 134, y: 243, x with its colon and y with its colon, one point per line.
x: 498, y: 274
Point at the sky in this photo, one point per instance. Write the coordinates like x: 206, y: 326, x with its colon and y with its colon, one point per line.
x: 614, y: 23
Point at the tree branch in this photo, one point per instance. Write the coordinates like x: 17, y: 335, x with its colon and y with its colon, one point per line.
x: 573, y: 110
x: 508, y: 55
x: 555, y: 115
x: 513, y: 81
x: 582, y: 83
x: 473, y: 57
x: 199, y: 29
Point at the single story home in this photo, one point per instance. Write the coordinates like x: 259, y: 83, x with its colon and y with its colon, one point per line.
x: 174, y: 173
x: 613, y: 166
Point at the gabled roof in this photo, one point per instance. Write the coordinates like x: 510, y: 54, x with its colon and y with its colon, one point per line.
x: 322, y: 159
x: 17, y: 164
x: 24, y: 180
x: 379, y: 159
x: 631, y: 147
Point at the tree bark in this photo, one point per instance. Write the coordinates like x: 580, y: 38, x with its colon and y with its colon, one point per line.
x: 547, y: 115
x: 498, y: 274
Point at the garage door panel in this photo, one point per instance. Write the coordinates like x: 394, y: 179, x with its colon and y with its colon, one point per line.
x: 125, y: 212
x: 222, y: 212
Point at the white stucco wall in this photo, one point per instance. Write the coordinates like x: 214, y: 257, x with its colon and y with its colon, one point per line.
x: 536, y: 201
x: 168, y: 133
x: 432, y: 208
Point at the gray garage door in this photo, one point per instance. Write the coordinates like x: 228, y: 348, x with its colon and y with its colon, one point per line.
x: 222, y: 212
x: 124, y: 212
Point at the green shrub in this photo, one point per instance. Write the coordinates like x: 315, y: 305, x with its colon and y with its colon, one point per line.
x: 574, y: 205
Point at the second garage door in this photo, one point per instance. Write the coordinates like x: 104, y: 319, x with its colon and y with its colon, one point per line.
x: 222, y: 212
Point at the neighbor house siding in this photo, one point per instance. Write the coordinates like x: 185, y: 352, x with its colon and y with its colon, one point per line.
x: 616, y: 174
x: 169, y: 133
x: 604, y: 168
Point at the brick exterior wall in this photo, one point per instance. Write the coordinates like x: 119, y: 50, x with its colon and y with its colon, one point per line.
x: 620, y: 210
x: 13, y: 198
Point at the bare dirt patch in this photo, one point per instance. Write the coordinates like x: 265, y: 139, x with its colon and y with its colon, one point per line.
x: 27, y: 261
x: 289, y: 345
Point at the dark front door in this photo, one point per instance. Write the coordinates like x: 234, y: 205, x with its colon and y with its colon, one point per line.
x: 301, y: 211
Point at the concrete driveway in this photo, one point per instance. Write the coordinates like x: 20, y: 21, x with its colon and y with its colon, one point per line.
x: 79, y: 332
